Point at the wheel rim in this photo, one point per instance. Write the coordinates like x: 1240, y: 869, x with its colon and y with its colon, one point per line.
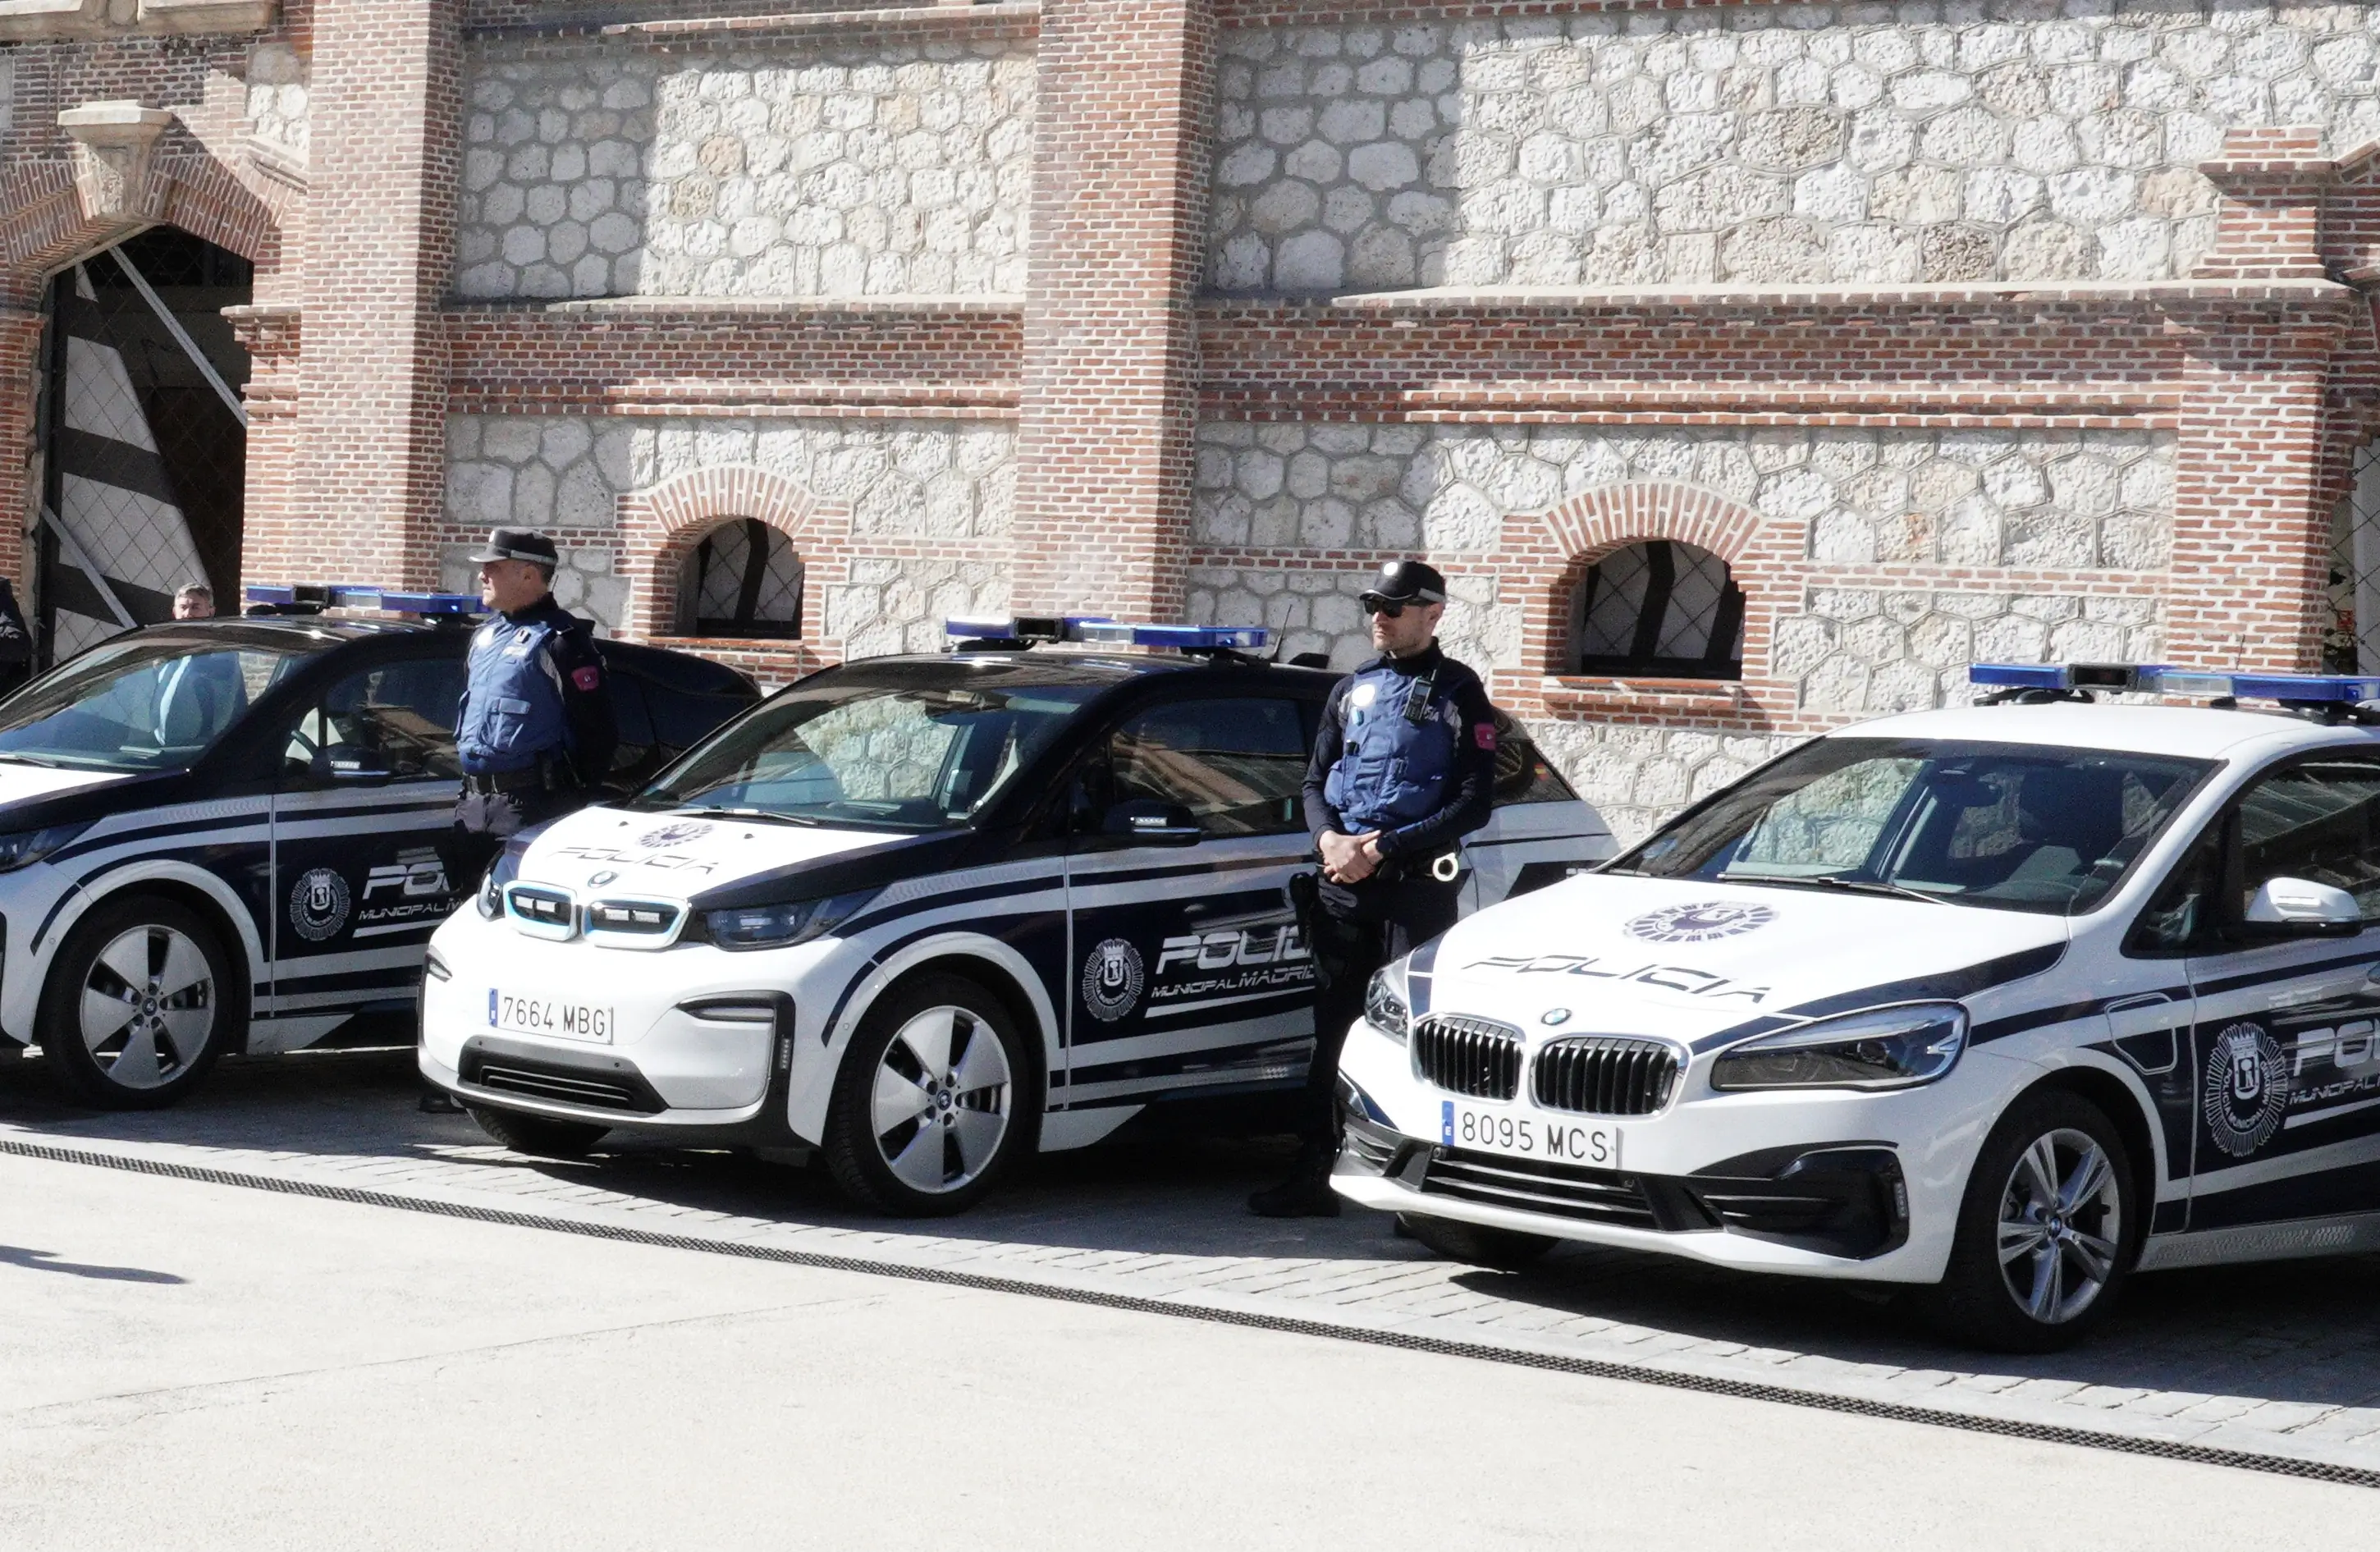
x: 2062, y: 1222
x: 148, y: 1007
x: 940, y: 1110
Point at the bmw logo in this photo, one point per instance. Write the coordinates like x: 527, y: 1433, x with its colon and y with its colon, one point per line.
x: 600, y: 880
x: 1554, y: 1015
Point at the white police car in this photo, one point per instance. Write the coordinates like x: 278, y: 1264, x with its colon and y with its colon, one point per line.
x: 2006, y: 1001
x: 925, y: 912
x: 222, y: 835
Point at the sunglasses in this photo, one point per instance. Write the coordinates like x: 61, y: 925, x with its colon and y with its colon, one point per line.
x: 1383, y: 607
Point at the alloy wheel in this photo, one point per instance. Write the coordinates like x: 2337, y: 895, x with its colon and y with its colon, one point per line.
x: 2060, y: 1222
x: 940, y: 1106
x: 148, y: 1007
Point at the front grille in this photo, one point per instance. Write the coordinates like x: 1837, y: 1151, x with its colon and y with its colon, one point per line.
x: 1528, y: 1185
x: 637, y: 918
x: 1468, y: 1055
x: 1603, y: 1075
x: 564, y: 1086
x: 552, y: 909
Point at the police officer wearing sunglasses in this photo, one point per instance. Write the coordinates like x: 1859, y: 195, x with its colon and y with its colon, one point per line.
x: 1404, y: 768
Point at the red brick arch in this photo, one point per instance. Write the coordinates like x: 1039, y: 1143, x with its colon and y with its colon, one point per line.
x: 661, y: 526
x: 1547, y: 555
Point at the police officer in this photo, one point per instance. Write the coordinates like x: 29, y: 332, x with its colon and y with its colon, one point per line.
x: 535, y: 730
x: 1404, y: 767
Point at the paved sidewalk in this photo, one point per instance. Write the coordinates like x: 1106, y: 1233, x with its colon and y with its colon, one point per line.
x: 2279, y: 1360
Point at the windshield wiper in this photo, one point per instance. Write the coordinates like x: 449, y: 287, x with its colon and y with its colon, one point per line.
x: 768, y: 815
x: 1835, y: 881
x: 15, y: 758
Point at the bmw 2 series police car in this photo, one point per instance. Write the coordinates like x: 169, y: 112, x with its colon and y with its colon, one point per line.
x: 923, y: 914
x: 222, y: 835
x: 2004, y: 1002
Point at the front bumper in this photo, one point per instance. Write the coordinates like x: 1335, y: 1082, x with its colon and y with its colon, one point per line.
x: 1830, y: 1183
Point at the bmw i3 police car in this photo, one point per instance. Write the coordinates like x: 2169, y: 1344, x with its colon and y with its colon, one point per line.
x: 222, y: 835
x: 925, y: 912
x: 2006, y: 1001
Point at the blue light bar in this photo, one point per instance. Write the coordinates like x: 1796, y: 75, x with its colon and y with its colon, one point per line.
x: 2158, y: 679
x: 349, y: 596
x: 1185, y: 638
x: 1019, y: 627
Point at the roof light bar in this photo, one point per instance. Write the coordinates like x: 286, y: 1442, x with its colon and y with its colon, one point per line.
x: 1099, y: 630
x: 2307, y: 689
x: 352, y: 596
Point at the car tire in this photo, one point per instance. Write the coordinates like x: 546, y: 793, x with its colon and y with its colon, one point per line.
x: 539, y: 1135
x: 931, y: 1101
x: 2047, y: 1231
x: 141, y: 998
x: 1506, y: 1250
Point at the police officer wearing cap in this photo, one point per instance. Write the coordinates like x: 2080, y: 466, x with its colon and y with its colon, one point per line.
x: 1404, y: 768
x: 535, y: 730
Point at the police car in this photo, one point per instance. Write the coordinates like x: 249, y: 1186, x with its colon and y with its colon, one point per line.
x: 2006, y: 1001
x: 923, y: 914
x: 222, y: 835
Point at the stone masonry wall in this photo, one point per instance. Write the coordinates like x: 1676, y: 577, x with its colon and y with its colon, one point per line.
x: 1785, y: 144
x: 950, y: 484
x: 835, y: 169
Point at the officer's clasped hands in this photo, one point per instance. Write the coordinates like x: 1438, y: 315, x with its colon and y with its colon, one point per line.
x: 1349, y: 860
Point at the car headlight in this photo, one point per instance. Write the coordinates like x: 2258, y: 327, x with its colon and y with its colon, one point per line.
x: 492, y: 896
x: 1384, y: 1002
x: 1882, y: 1047
x: 30, y: 846
x: 502, y: 871
x: 779, y: 926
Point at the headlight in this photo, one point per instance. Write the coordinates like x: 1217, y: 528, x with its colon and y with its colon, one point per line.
x: 1384, y: 1002
x: 492, y: 896
x: 30, y: 846
x: 1884, y: 1048
x: 502, y: 871
x: 779, y: 926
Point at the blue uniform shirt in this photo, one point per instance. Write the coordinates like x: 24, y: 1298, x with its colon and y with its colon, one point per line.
x: 1407, y: 748
x: 535, y: 691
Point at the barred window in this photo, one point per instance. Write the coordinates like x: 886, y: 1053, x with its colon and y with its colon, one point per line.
x: 743, y: 580
x: 1659, y: 608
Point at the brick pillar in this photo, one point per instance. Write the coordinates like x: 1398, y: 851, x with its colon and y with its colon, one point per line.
x: 371, y: 414
x: 20, y: 469
x: 270, y: 332
x: 1123, y: 129
x: 2252, y: 519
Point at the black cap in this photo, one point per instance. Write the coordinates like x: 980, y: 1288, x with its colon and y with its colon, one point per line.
x: 518, y: 544
x: 1407, y: 582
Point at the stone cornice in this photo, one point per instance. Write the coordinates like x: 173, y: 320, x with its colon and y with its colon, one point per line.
x: 2109, y: 295
x: 33, y: 21
x: 1005, y: 20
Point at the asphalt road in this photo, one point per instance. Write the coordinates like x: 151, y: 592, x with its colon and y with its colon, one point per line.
x: 198, y: 1367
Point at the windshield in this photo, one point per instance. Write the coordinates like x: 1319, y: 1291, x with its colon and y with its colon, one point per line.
x: 913, y: 755
x: 141, y: 703
x: 2014, y: 827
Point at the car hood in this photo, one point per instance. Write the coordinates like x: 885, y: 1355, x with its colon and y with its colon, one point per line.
x: 718, y: 861
x: 21, y: 784
x: 1691, y: 960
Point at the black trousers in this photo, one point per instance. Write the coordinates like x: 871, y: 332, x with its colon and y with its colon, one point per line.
x: 1356, y: 930
x: 484, y: 821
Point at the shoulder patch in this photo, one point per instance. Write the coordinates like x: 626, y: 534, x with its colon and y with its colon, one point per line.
x: 1484, y: 735
x: 587, y: 678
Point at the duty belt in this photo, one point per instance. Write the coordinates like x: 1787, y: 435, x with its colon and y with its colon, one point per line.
x: 539, y: 776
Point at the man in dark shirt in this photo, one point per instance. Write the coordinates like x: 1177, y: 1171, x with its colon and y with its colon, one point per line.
x: 536, y: 729
x: 1404, y: 768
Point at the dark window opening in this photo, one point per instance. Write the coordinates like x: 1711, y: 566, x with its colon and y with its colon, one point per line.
x: 744, y: 579
x: 1659, y: 608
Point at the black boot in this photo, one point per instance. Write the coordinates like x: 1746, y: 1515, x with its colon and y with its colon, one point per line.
x: 1307, y: 1192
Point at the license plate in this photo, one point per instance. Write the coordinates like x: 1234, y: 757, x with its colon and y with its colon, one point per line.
x: 1523, y: 1136
x: 514, y: 1013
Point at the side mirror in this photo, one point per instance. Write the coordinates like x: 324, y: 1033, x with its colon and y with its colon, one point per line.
x: 2301, y: 908
x: 1145, y: 821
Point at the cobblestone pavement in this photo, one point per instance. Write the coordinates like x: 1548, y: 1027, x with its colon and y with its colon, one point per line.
x: 2279, y: 1361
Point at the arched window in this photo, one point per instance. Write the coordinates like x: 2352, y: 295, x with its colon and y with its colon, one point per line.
x: 743, y: 579
x: 1658, y: 608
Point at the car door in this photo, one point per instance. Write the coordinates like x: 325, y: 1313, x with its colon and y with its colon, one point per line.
x: 1538, y: 834
x: 364, y: 797
x: 1191, y: 971
x: 2285, y: 1031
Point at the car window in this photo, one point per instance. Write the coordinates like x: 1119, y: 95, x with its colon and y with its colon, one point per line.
x: 1521, y: 773
x: 2014, y: 827
x: 1238, y: 765
x: 845, y: 750
x: 397, y: 720
x: 2318, y: 819
x: 139, y: 704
